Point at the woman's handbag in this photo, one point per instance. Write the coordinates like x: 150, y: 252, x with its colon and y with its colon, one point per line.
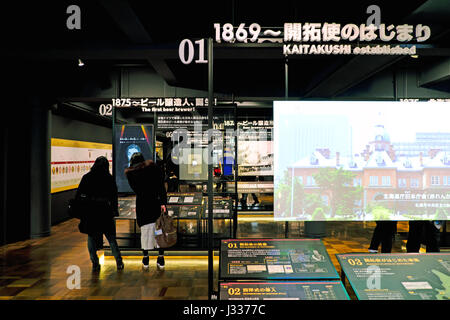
x: 165, y: 231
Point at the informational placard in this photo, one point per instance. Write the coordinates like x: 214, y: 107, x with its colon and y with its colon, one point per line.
x: 358, y: 161
x: 184, y: 211
x: 255, y: 186
x: 407, y: 276
x: 275, y: 259
x: 71, y: 159
x: 222, y: 206
x: 179, y: 198
x: 287, y: 290
x: 184, y: 205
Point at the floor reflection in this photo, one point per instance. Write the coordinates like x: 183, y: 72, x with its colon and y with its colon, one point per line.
x: 37, y: 269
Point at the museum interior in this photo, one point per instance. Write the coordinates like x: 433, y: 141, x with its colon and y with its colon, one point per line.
x: 316, y: 134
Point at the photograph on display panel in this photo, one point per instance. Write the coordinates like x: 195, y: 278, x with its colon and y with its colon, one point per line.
x: 255, y: 158
x: 361, y: 160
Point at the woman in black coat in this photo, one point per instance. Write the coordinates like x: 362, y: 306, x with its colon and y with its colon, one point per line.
x: 147, y: 181
x: 98, y: 193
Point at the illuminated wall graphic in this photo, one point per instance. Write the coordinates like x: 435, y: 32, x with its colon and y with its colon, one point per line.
x: 128, y: 140
x: 361, y: 161
x: 71, y: 159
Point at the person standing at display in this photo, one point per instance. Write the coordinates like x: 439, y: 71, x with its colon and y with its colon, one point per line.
x: 147, y: 181
x: 243, y: 200
x: 226, y: 165
x: 172, y: 182
x: 383, y: 234
x: 427, y: 230
x: 98, y: 192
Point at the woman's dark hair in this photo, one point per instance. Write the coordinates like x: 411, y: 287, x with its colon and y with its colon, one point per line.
x: 101, y: 164
x: 136, y: 158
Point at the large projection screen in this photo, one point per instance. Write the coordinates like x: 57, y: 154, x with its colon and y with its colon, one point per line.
x: 361, y: 161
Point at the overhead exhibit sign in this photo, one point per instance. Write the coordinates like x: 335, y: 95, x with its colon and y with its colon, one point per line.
x: 361, y: 160
x: 322, y: 32
x: 299, y: 49
x: 174, y: 104
x: 319, y: 38
x: 330, y: 38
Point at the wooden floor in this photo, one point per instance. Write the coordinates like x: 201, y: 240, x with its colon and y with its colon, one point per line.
x: 37, y: 269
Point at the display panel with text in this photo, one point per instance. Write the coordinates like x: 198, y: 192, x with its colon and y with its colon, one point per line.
x: 243, y: 259
x: 404, y: 276
x: 287, y: 290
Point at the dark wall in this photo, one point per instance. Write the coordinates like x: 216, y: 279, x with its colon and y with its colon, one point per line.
x: 65, y: 128
x: 3, y: 144
x: 15, y: 164
x: 33, y: 89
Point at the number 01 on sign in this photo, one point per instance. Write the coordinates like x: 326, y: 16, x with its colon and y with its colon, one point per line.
x: 186, y: 51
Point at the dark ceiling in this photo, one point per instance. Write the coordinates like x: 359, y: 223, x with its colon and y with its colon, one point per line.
x: 147, y: 34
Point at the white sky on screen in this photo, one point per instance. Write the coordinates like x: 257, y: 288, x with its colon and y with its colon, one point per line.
x: 402, y: 120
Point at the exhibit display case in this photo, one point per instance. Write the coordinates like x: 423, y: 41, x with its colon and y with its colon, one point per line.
x: 190, y: 213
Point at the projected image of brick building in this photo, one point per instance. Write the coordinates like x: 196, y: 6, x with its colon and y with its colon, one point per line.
x: 381, y: 182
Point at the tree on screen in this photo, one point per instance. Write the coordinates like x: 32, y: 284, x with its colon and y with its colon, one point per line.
x: 286, y: 189
x: 338, y: 185
x: 313, y: 202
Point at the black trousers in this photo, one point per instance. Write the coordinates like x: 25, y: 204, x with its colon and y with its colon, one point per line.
x: 160, y: 252
x: 383, y: 234
x: 422, y: 232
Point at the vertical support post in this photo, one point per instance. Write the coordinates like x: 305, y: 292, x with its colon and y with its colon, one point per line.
x: 40, y: 198
x: 113, y: 142
x: 210, y: 171
x: 5, y: 182
x: 286, y: 95
x: 113, y: 125
x: 236, y: 170
x: 286, y: 78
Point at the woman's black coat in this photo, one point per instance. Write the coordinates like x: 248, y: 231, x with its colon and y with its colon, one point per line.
x: 147, y: 181
x: 98, y: 211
